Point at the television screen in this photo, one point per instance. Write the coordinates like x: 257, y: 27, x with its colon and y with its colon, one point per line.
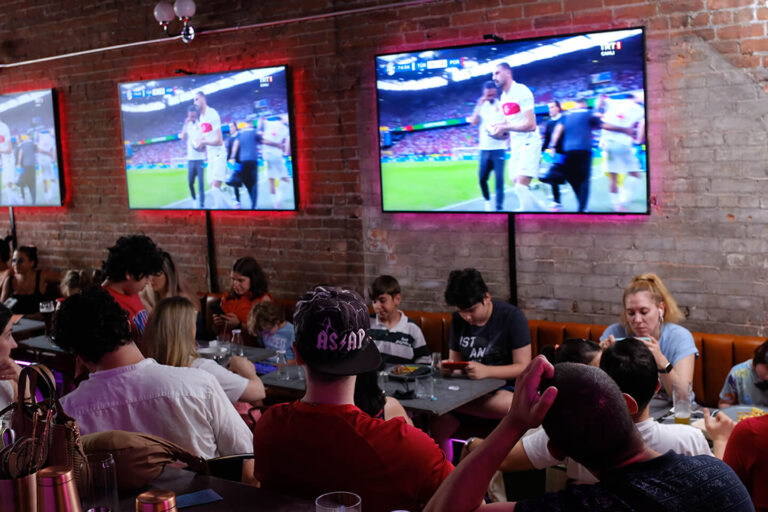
x: 545, y: 125
x: 218, y: 141
x: 29, y: 149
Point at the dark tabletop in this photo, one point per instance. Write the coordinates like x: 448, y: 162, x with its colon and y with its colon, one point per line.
x: 237, y: 497
x: 446, y: 392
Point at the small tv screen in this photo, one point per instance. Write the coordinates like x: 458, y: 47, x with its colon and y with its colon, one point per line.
x: 29, y: 149
x: 545, y: 125
x: 217, y: 141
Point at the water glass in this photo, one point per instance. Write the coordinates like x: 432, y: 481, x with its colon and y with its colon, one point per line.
x: 425, y: 387
x: 47, y: 309
x: 102, y: 489
x: 338, y: 501
x: 282, y: 366
x: 237, y: 343
x: 436, y: 363
x: 681, y: 399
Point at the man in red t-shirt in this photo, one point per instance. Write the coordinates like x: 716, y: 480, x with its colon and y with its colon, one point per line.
x: 323, y: 442
x: 129, y: 264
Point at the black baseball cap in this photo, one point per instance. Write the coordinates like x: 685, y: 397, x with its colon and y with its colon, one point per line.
x: 331, y: 327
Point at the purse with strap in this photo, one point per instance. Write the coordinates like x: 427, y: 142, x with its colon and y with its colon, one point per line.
x: 37, y: 401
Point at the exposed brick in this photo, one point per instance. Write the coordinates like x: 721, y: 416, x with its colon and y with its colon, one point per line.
x: 635, y: 12
x: 741, y: 31
x: 542, y: 8
x: 715, y: 5
x: 681, y: 6
x: 750, y: 46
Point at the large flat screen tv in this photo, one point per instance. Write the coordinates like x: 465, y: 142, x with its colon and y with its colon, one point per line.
x: 546, y: 125
x: 217, y: 141
x: 30, y: 153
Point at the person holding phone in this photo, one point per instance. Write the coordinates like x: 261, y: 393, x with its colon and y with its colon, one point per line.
x: 649, y: 314
x: 249, y: 286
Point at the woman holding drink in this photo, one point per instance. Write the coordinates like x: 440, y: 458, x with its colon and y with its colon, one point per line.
x: 650, y: 314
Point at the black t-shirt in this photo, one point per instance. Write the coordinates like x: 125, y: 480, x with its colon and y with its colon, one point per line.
x: 492, y: 343
x: 669, y: 482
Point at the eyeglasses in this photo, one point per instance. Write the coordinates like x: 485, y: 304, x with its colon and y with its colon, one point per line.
x: 18, y: 260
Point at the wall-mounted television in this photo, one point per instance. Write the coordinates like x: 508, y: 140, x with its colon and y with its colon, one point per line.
x: 546, y: 125
x: 30, y: 156
x: 217, y: 141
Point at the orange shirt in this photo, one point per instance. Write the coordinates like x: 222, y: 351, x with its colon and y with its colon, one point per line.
x: 242, y: 305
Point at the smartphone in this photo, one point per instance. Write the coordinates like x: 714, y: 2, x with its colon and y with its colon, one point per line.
x: 216, y: 309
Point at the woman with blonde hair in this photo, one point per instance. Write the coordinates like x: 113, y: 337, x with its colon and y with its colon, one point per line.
x: 169, y: 338
x: 166, y: 283
x: 651, y: 315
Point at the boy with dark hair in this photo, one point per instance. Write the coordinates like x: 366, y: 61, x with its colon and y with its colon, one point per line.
x: 323, y: 441
x: 747, y: 382
x: 494, y: 338
x: 398, y: 339
x: 125, y: 391
x: 129, y: 264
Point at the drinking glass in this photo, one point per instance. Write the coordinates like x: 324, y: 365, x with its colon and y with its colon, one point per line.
x: 425, y: 387
x: 46, y: 309
x: 436, y: 363
x: 237, y: 343
x: 681, y: 398
x: 338, y: 501
x: 101, y: 492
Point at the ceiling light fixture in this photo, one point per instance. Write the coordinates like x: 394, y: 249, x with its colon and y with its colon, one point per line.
x: 183, y: 9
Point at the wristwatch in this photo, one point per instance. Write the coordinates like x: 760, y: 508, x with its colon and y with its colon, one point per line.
x: 666, y: 369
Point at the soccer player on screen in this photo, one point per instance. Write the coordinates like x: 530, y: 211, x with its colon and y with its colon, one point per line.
x: 46, y: 156
x: 524, y: 140
x: 212, y: 141
x: 192, y: 132
x: 276, y: 143
x: 10, y: 196
x: 623, y: 125
x: 488, y: 113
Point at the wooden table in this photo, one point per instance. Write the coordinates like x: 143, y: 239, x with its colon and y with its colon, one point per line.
x: 237, y: 497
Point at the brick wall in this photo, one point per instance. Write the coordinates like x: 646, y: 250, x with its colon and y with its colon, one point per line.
x: 707, y: 102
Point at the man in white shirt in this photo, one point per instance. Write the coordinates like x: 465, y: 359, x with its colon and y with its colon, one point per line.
x: 212, y: 141
x: 524, y: 140
x: 10, y: 190
x: 276, y: 143
x: 631, y: 365
x: 190, y: 133
x: 623, y: 125
x: 488, y: 113
x: 125, y: 391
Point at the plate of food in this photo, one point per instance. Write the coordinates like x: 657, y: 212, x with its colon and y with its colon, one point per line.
x: 212, y: 352
x: 741, y: 412
x: 455, y: 365
x: 408, y: 371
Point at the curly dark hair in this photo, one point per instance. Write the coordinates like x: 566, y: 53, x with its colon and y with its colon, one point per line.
x: 91, y: 324
x: 251, y: 269
x: 135, y: 255
x: 465, y: 288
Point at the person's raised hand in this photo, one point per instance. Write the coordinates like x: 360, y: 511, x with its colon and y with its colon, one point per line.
x: 528, y: 405
x: 607, y: 342
x: 719, y: 426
